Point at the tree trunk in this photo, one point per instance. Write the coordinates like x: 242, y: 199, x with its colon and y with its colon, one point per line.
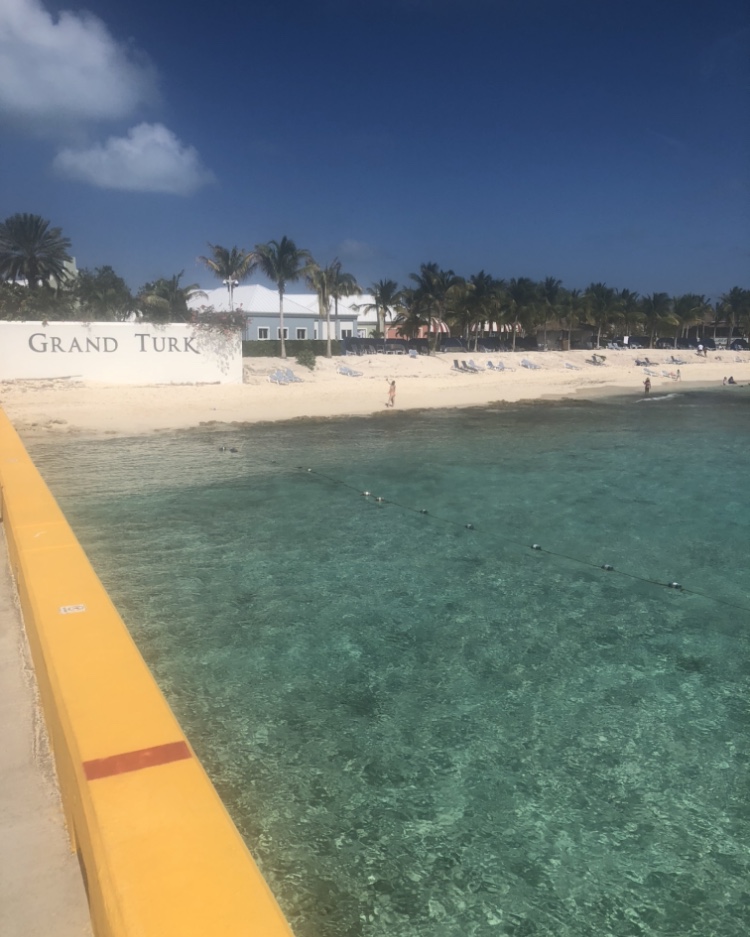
x: 281, y: 323
x: 730, y: 329
x: 329, y: 353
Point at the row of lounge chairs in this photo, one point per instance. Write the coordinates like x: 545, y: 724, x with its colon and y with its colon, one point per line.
x: 470, y: 367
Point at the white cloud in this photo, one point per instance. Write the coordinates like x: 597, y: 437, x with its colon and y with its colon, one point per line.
x: 149, y: 159
x: 66, y: 69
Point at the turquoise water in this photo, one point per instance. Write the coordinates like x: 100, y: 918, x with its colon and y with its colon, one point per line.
x: 426, y: 729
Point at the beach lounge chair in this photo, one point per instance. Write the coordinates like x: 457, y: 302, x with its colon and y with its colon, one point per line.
x: 456, y: 365
x: 651, y: 372
x: 413, y: 353
x: 470, y: 369
x: 278, y: 377
x: 348, y: 372
x: 572, y: 367
x: 291, y: 376
x: 598, y: 360
x: 503, y: 367
x: 525, y: 363
x: 477, y: 367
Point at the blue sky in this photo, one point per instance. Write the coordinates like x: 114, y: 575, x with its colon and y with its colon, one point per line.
x: 580, y: 139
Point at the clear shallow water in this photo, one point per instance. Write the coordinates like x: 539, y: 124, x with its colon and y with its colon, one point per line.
x: 423, y: 729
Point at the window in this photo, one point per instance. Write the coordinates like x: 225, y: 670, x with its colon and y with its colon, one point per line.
x: 262, y: 332
x: 286, y: 333
x: 301, y: 334
x: 346, y: 333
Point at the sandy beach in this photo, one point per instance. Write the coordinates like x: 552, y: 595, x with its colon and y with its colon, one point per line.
x: 69, y: 406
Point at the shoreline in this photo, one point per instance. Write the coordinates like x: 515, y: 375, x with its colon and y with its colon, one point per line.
x: 68, y: 407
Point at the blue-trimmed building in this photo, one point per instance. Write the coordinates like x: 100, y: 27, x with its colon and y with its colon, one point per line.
x: 302, y: 320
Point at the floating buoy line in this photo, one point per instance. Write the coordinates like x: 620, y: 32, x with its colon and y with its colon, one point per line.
x: 606, y: 567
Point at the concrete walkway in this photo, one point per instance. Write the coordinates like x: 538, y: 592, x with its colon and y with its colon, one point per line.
x: 41, y: 889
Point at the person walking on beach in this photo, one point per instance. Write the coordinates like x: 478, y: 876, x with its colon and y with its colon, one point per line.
x: 647, y: 385
x: 391, y: 394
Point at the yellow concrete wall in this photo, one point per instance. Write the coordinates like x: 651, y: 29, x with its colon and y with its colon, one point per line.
x: 161, y: 855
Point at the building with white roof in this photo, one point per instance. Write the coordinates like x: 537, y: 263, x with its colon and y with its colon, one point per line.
x: 302, y: 320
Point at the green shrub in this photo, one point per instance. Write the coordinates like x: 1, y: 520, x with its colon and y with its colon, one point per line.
x: 306, y: 358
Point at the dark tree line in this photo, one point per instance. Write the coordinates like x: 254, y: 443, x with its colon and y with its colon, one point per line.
x: 38, y: 280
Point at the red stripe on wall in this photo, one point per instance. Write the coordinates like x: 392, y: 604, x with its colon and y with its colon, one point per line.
x: 135, y: 761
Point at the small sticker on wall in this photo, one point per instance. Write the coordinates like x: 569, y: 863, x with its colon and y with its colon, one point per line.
x: 71, y: 609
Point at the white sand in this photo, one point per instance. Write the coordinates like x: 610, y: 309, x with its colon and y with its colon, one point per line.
x: 66, y: 406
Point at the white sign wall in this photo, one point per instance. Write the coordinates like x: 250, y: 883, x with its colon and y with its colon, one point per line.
x: 120, y: 353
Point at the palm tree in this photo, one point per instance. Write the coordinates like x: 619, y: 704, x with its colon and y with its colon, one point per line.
x: 387, y: 298
x: 412, y: 315
x: 744, y: 313
x: 167, y: 301
x: 550, y: 293
x: 32, y: 251
x: 688, y: 309
x: 430, y: 298
x: 629, y: 307
x: 321, y: 280
x: 571, y: 307
x: 520, y: 301
x: 282, y: 262
x: 600, y: 302
x: 231, y: 266
x: 342, y: 284
x: 475, y: 302
x: 734, y: 307
x: 657, y: 311
x: 459, y: 311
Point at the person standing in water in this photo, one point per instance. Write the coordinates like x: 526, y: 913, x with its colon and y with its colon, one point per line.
x: 391, y: 402
x: 647, y: 385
